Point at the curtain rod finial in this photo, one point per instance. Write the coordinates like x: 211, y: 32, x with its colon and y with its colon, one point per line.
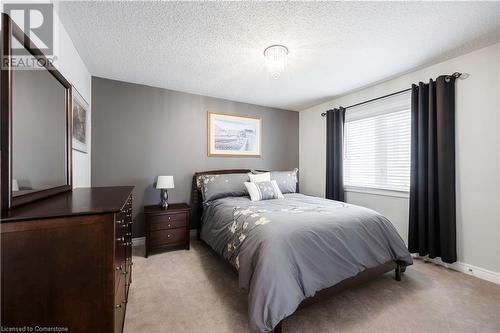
x: 461, y: 76
x: 456, y: 75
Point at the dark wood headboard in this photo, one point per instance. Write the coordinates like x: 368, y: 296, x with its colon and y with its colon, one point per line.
x: 196, y: 198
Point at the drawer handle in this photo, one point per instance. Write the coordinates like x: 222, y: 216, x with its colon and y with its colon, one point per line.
x: 119, y: 268
x: 118, y: 305
x: 168, y: 236
x: 120, y: 239
x: 169, y: 218
x: 169, y: 224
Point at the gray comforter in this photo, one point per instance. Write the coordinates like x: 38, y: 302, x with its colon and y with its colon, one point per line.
x: 288, y: 249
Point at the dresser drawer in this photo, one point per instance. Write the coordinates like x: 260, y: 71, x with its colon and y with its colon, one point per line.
x: 128, y: 276
x: 120, y: 258
x: 119, y: 319
x: 121, y: 225
x: 127, y: 210
x: 122, y: 228
x: 120, y: 276
x: 120, y: 305
x: 167, y: 221
x: 168, y: 236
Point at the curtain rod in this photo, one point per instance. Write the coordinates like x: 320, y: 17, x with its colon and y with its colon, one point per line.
x: 455, y: 75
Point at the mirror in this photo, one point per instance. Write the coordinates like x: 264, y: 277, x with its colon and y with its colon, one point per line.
x: 36, y: 109
x: 38, y: 131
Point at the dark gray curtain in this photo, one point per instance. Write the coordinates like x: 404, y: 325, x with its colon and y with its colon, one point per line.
x: 432, y: 227
x: 334, y: 154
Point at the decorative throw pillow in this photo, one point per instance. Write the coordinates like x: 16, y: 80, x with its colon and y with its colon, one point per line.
x: 259, y: 177
x: 263, y: 190
x: 287, y: 180
x: 219, y: 186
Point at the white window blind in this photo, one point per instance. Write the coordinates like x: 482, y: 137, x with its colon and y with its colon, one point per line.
x: 377, y: 150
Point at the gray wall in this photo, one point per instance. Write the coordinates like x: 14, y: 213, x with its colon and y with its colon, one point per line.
x: 140, y: 132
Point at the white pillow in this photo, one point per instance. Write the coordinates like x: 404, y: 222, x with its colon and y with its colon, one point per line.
x: 263, y: 190
x: 259, y: 177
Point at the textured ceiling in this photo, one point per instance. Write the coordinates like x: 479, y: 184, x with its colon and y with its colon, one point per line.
x: 216, y: 48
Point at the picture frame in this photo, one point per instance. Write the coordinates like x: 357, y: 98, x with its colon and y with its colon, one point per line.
x: 231, y: 135
x: 80, y: 126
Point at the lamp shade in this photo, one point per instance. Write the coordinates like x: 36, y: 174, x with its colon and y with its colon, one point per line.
x: 15, y: 185
x: 165, y: 182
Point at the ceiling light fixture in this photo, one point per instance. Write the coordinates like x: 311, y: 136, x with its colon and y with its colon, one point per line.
x: 275, y: 56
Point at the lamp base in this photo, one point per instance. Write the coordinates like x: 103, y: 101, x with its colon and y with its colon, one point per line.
x: 164, y: 199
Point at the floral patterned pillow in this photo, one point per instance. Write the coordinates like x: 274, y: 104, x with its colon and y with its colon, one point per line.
x: 263, y: 190
x: 219, y: 186
x: 287, y: 180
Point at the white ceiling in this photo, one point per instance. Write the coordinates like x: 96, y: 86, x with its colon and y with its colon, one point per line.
x: 216, y: 48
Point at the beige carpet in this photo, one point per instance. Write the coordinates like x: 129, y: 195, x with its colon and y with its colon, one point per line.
x: 194, y: 291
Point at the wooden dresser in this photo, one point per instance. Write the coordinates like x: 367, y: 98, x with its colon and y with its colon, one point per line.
x: 67, y: 261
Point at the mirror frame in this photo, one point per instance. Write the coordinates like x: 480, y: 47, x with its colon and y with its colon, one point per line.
x: 8, y: 201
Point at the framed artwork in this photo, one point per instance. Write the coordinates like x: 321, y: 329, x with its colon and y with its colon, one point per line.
x: 231, y: 135
x: 80, y: 122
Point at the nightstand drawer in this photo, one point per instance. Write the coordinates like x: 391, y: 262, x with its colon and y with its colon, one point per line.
x: 169, y: 236
x: 168, y: 221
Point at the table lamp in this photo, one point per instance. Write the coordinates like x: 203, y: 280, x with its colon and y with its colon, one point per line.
x: 164, y: 183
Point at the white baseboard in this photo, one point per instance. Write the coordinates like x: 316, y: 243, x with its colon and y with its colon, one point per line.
x: 478, y: 272
x: 138, y: 241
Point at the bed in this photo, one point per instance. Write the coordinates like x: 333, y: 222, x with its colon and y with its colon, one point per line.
x: 297, y: 250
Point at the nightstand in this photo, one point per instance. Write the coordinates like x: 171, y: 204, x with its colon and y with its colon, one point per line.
x: 167, y: 227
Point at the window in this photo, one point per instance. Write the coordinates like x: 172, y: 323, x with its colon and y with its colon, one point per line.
x: 377, y: 149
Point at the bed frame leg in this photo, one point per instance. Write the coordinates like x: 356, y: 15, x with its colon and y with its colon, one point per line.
x: 397, y: 272
x: 278, y: 328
